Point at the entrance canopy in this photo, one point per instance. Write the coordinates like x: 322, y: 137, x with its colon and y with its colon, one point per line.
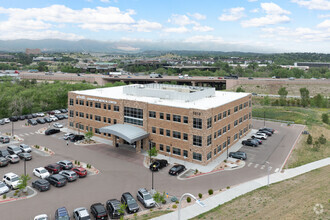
x: 127, y: 132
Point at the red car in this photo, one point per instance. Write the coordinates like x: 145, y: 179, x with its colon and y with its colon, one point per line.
x: 53, y: 168
x: 82, y: 172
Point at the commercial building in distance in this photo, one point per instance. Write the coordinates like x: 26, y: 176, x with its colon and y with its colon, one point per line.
x: 196, y: 124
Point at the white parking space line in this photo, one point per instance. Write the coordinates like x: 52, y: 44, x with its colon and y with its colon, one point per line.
x: 31, y: 133
x: 277, y: 169
x: 26, y: 134
x: 249, y: 164
x: 262, y: 167
x: 256, y: 166
x: 21, y: 135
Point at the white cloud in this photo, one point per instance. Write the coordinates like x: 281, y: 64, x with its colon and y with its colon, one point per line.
x: 324, y: 16
x: 201, y: 28
x: 197, y: 16
x: 105, y: 1
x: 204, y: 39
x: 38, y: 35
x: 232, y: 14
x: 181, y: 20
x: 314, y: 4
x: 324, y: 24
x: 146, y: 26
x: 256, y: 10
x: 180, y: 29
x: 252, y: 0
x: 274, y: 15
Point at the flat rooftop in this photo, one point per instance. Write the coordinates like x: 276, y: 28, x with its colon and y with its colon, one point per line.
x: 218, y: 98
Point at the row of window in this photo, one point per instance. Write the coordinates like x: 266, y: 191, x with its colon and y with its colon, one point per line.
x: 96, y: 117
x: 96, y: 104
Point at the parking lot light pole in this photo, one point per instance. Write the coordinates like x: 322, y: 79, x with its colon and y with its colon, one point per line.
x: 228, y: 138
x: 12, y: 128
x: 24, y: 167
x: 152, y: 178
x: 192, y: 196
x: 267, y: 173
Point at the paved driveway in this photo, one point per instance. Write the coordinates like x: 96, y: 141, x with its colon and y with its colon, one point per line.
x: 122, y: 170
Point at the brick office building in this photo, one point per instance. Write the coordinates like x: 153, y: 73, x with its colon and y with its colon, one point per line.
x: 195, y: 124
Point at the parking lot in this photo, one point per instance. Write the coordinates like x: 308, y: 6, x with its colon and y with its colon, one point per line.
x: 122, y: 170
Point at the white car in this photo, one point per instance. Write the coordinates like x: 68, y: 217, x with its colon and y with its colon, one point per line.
x: 11, y: 179
x: 259, y: 136
x: 81, y: 213
x: 6, y: 120
x: 57, y: 111
x: 25, y: 148
x: 41, y: 217
x: 3, y: 188
x: 40, y: 114
x: 53, y: 118
x: 67, y: 136
x: 41, y: 172
x: 57, y: 125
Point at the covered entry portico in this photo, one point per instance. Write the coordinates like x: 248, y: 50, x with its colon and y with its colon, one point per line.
x: 129, y: 133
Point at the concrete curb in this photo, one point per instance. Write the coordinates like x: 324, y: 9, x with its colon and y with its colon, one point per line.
x: 20, y: 198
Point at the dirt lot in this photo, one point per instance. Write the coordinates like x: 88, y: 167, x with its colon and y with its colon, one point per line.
x: 293, y: 89
x: 291, y: 199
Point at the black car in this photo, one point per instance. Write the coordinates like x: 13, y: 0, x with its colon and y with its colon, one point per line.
x: 268, y: 133
x: 51, y: 131
x: 76, y: 137
x: 3, y: 162
x: 4, y: 153
x: 28, y: 116
x: 32, y: 122
x: 256, y: 139
x: 41, y: 121
x: 63, y: 110
x: 25, y: 156
x: 48, y: 120
x: 267, y: 129
x: 158, y: 164
x: 13, y: 118
x: 238, y: 155
x: 22, y: 117
x: 98, y: 211
x: 128, y: 200
x: 57, y: 180
x: 250, y: 143
x: 34, y: 115
x: 65, y: 116
x: 113, y: 207
x: 41, y: 185
x: 177, y: 169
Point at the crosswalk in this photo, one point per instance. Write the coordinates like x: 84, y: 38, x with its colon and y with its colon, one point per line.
x: 262, y: 167
x: 27, y: 134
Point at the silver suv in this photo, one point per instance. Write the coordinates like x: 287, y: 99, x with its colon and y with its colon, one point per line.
x: 145, y: 198
x: 11, y: 179
x: 65, y: 164
x: 69, y: 175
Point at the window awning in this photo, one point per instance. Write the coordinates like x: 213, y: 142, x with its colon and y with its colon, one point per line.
x: 127, y: 132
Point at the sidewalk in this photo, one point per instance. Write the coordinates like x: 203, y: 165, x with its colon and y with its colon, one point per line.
x: 226, y: 196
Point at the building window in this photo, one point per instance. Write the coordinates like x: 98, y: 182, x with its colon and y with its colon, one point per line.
x: 224, y: 114
x: 209, y: 140
x: 235, y: 123
x: 152, y: 114
x: 197, y: 123
x: 177, y: 118
x: 97, y: 118
x: 168, y: 149
x: 168, y: 133
x: 219, y: 116
x: 185, y: 119
x: 224, y: 145
x: 236, y: 109
x: 177, y: 134
x: 185, y: 153
x: 228, y: 113
x: 219, y: 132
x: 197, y: 156
x: 90, y: 116
x: 115, y: 121
x: 240, y: 120
x: 197, y: 140
x: 209, y: 122
x: 71, y: 124
x: 250, y: 115
x: 109, y: 120
x: 215, y: 135
x: 81, y: 115
x: 215, y: 119
x: 228, y: 141
x: 87, y: 103
x: 116, y: 108
x: 161, y: 131
x: 133, y: 115
x: 168, y: 117
x: 176, y: 151
x: 209, y: 155
x: 219, y: 148
x: 235, y: 136
x: 87, y: 116
x: 153, y: 130
x: 228, y: 128
x: 161, y: 115
x: 97, y: 105
x: 250, y: 103
x: 104, y: 119
x: 105, y: 106
x: 90, y: 104
x: 185, y: 136
x: 240, y: 107
x: 76, y: 101
x: 71, y: 113
x: 97, y: 131
x: 71, y: 101
x: 77, y: 113
x: 87, y: 128
x: 224, y: 130
x: 109, y: 107
x: 161, y: 147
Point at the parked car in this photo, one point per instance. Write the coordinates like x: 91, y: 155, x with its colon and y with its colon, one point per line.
x: 158, y: 164
x: 256, y: 139
x: 145, y: 198
x: 13, y: 158
x: 25, y: 156
x: 113, y: 207
x: 77, y: 137
x: 32, y: 122
x: 22, y: 117
x: 57, y: 111
x: 13, y: 149
x: 67, y: 136
x: 60, y: 117
x: 250, y: 143
x: 3, y: 161
x: 28, y: 116
x: 25, y: 148
x: 53, y: 168
x: 238, y: 155
x: 268, y: 133
x: 2, y: 122
x: 65, y: 116
x: 41, y: 185
x: 53, y: 118
x: 40, y: 114
x: 4, y: 153
x: 41, y: 217
x: 4, y: 139
x: 98, y: 211
x: 3, y: 188
x: 65, y: 164
x: 41, y: 172
x: 57, y: 125
x: 129, y: 201
x: 81, y: 172
x: 69, y: 175
x: 268, y: 129
x: 62, y: 214
x: 259, y: 136
x: 57, y: 180
x: 13, y: 118
x: 41, y: 121
x: 34, y: 115
x: 81, y: 214
x: 63, y: 110
x: 11, y: 179
x: 177, y: 169
x: 7, y: 120
x: 51, y: 131
x: 48, y: 120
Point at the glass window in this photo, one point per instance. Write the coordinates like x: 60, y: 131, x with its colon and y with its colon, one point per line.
x: 219, y: 148
x: 87, y: 116
x: 152, y: 114
x: 228, y: 141
x: 235, y: 136
x: 161, y: 115
x: 197, y: 156
x: 109, y: 107
x: 76, y: 101
x: 240, y: 107
x: 177, y: 118
x: 185, y: 119
x: 87, y: 103
x: 133, y: 115
x: 71, y: 101
x: 209, y: 155
x: 90, y: 116
x: 116, y: 108
x: 224, y: 130
x: 228, y: 127
x: 197, y: 123
x: 168, y: 133
x: 240, y: 120
x: 168, y: 149
x: 209, y: 122
x: 219, y: 132
x: 197, y: 140
x: 97, y: 118
x: 236, y: 109
x: 185, y: 153
x: 224, y: 114
x: 209, y: 140
x: 224, y: 145
x: 161, y: 147
x: 104, y: 106
x: 115, y: 121
x: 177, y: 134
x: 97, y: 105
x: 185, y: 136
x: 90, y: 104
x: 109, y: 120
x: 161, y: 131
x: 215, y: 135
x: 176, y: 151
x: 228, y: 113
x: 153, y: 130
x: 71, y: 113
x: 235, y: 122
x: 168, y: 117
x: 219, y: 116
x: 81, y: 114
x: 104, y: 119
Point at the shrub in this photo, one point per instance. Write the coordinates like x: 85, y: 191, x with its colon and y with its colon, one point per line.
x: 78, y: 162
x: 188, y: 199
x: 220, y: 190
x: 309, y: 139
x: 225, y: 161
x: 200, y: 195
x: 228, y: 187
x: 325, y: 118
x: 196, y: 171
x: 75, y: 162
x: 322, y: 139
x: 163, y: 201
x: 4, y: 196
x: 150, y: 210
x: 46, y: 149
x: 177, y: 202
x: 174, y: 199
x: 210, y: 191
x: 174, y: 206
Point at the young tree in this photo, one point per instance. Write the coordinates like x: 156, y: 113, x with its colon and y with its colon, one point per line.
x: 158, y: 197
x: 152, y: 152
x: 325, y: 118
x: 309, y: 139
x: 304, y: 94
x: 22, y: 184
x: 88, y: 136
x: 122, y: 210
x: 240, y: 89
x: 283, y: 93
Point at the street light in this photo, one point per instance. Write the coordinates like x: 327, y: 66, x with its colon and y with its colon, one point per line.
x: 228, y: 140
x: 12, y: 128
x: 24, y: 167
x: 192, y: 196
x: 267, y: 173
x: 152, y: 178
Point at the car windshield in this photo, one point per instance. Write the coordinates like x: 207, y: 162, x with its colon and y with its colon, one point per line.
x: 43, y: 171
x: 63, y: 218
x: 130, y: 201
x: 15, y: 179
x: 147, y: 197
x: 2, y: 184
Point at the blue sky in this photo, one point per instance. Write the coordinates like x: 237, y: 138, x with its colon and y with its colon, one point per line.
x: 281, y: 25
